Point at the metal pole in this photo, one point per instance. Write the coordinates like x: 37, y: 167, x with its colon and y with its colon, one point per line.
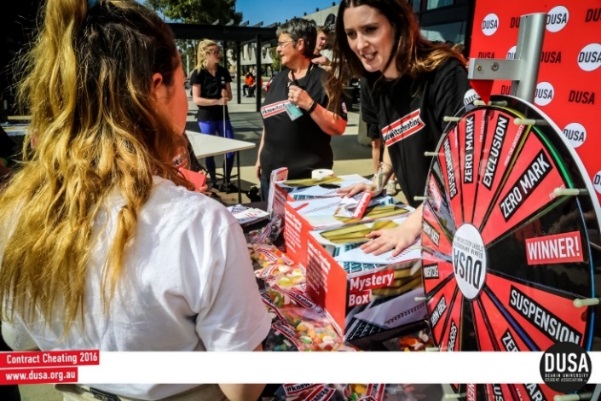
x: 259, y: 84
x: 528, y: 49
x: 238, y: 73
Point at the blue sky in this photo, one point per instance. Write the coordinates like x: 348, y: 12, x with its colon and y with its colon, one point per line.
x: 270, y: 11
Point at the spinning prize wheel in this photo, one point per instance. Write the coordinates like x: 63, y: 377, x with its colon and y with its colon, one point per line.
x: 508, y: 220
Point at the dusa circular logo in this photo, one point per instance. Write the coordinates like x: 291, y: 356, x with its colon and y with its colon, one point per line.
x: 544, y: 93
x: 565, y: 367
x: 469, y: 260
x: 490, y: 24
x: 589, y: 58
x: 557, y: 18
x: 597, y: 182
x: 511, y: 53
x: 576, y: 134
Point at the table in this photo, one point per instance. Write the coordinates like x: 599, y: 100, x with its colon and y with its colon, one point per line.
x: 212, y: 145
x: 19, y: 119
x: 15, y: 130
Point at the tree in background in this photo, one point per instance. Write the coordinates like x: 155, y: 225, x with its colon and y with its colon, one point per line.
x: 207, y: 12
x: 197, y: 11
x: 276, y: 65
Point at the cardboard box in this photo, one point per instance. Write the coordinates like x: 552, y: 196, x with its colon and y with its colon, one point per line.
x: 303, y: 189
x: 366, y: 294
x: 302, y: 217
x: 282, y: 190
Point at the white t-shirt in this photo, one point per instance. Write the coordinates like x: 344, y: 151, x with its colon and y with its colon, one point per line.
x: 188, y: 285
x: 328, y: 54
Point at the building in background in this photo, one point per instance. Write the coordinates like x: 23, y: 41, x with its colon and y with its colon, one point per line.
x: 441, y: 20
x: 444, y: 20
x: 248, y: 60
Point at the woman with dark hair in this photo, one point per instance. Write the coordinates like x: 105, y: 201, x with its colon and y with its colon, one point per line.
x: 298, y: 127
x: 104, y: 244
x: 410, y: 85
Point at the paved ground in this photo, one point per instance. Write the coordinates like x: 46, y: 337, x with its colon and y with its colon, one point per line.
x: 350, y: 157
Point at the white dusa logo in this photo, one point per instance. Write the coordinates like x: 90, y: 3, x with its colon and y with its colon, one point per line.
x: 597, y: 182
x: 544, y: 93
x: 490, y: 24
x: 511, y: 53
x: 576, y: 134
x: 589, y: 58
x: 469, y: 260
x: 557, y: 18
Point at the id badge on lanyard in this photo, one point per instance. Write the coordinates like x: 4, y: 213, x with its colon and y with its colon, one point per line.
x: 293, y: 110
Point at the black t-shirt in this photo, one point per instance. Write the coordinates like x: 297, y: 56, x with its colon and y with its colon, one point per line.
x: 210, y: 88
x: 365, y: 85
x: 301, y: 145
x: 409, y: 114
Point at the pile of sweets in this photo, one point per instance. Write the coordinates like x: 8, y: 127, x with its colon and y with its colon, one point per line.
x: 275, y: 268
x: 264, y: 255
x: 302, y: 328
x: 297, y: 322
x: 313, y: 330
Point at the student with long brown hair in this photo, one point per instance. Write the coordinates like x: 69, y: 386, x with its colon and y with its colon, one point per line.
x: 103, y: 245
x: 410, y: 84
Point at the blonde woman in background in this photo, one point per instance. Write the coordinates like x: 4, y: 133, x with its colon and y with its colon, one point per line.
x: 211, y: 90
x: 103, y: 245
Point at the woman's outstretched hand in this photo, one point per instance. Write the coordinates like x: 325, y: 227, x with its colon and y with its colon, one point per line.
x: 395, y: 239
x: 353, y: 190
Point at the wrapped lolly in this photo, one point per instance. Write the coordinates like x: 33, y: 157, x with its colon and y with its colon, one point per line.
x: 281, y: 297
x: 313, y: 329
x: 275, y: 268
x: 267, y: 256
x: 284, y: 277
x: 308, y: 329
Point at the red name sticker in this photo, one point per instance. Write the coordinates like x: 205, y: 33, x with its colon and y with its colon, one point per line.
x: 362, y: 205
x: 38, y: 376
x: 32, y: 359
x: 558, y: 248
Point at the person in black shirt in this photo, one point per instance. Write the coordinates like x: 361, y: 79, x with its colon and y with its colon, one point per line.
x: 411, y: 84
x: 211, y: 90
x: 298, y: 127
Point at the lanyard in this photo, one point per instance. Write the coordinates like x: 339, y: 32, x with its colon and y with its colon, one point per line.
x: 295, y: 81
